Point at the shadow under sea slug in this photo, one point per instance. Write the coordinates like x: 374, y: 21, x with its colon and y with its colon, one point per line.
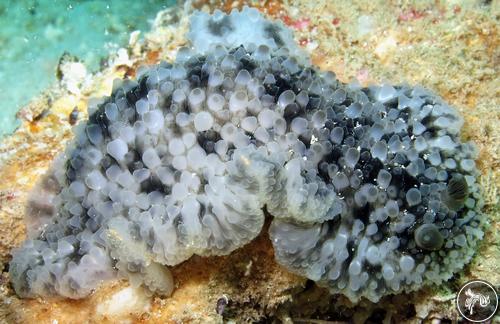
x: 370, y: 190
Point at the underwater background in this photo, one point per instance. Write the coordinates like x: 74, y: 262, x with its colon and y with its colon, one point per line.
x: 451, y: 47
x: 35, y: 33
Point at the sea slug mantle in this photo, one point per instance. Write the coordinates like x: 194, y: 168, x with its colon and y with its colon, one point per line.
x: 370, y: 190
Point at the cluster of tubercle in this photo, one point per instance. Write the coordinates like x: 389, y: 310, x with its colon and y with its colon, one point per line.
x: 370, y: 190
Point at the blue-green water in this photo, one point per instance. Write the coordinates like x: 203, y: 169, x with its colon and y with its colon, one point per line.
x: 34, y: 34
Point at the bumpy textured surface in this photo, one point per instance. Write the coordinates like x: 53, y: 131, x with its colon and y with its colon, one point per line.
x: 370, y: 189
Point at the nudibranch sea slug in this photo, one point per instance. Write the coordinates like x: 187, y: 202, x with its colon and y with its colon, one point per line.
x: 370, y: 190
